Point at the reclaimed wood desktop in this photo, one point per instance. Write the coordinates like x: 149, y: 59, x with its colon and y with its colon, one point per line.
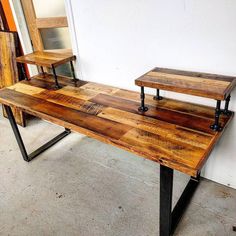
x: 172, y: 133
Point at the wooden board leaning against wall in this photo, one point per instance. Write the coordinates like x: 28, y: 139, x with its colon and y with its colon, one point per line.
x: 9, y: 73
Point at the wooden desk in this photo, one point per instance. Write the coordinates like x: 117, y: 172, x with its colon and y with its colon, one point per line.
x: 172, y: 133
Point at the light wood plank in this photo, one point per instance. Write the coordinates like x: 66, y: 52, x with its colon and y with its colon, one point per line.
x: 51, y: 22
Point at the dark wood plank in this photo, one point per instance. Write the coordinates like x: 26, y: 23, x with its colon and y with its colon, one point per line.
x: 185, y: 120
x: 9, y: 73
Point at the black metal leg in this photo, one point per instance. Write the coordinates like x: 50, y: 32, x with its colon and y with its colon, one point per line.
x: 20, y: 142
x: 158, y: 97
x: 73, y: 71
x: 170, y: 219
x: 23, y: 71
x: 226, y: 110
x: 183, y: 202
x: 55, y: 77
x: 142, y: 108
x: 216, y: 126
x: 166, y: 188
x: 42, y: 70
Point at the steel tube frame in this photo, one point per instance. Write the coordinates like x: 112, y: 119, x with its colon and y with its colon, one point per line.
x: 169, y: 218
x: 20, y: 142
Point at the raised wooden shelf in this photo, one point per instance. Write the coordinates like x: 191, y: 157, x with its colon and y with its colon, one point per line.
x: 173, y: 133
x: 47, y: 59
x: 194, y: 83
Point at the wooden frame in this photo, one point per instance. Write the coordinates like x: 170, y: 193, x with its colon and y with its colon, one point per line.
x: 35, y: 24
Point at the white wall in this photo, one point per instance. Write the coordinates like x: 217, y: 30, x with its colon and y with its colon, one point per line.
x: 119, y: 40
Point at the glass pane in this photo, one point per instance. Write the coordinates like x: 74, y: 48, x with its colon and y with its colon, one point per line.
x: 49, y: 8
x: 57, y: 38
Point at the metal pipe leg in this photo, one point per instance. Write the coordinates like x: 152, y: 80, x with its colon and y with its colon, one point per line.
x: 166, y: 189
x: 226, y: 110
x: 73, y: 71
x: 55, y: 77
x: 20, y: 142
x: 42, y: 70
x: 16, y: 132
x: 216, y: 126
x: 158, y: 97
x: 23, y: 71
x: 142, y: 108
x: 183, y: 201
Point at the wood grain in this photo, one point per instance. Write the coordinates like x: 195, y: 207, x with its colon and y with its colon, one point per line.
x: 173, y: 133
x: 47, y: 59
x: 193, y: 83
x: 51, y: 22
x: 8, y: 69
x: 30, y: 16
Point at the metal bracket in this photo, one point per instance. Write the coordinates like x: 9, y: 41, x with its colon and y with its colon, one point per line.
x: 20, y: 142
x: 158, y: 97
x: 170, y: 219
x: 142, y: 108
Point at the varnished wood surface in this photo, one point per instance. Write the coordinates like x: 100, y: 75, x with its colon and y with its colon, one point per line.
x: 9, y: 45
x: 173, y: 133
x: 51, y: 22
x: 47, y: 59
x: 193, y: 83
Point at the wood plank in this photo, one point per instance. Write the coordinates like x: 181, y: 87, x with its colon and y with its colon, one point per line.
x: 218, y: 87
x: 8, y: 68
x: 51, y: 22
x: 158, y: 127
x: 47, y: 81
x: 80, y: 93
x: 195, y: 74
x: 158, y: 147
x: 185, y: 120
x: 169, y: 104
x: 101, y: 88
x: 47, y: 59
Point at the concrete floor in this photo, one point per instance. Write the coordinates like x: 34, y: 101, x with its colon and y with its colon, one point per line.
x: 83, y: 187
